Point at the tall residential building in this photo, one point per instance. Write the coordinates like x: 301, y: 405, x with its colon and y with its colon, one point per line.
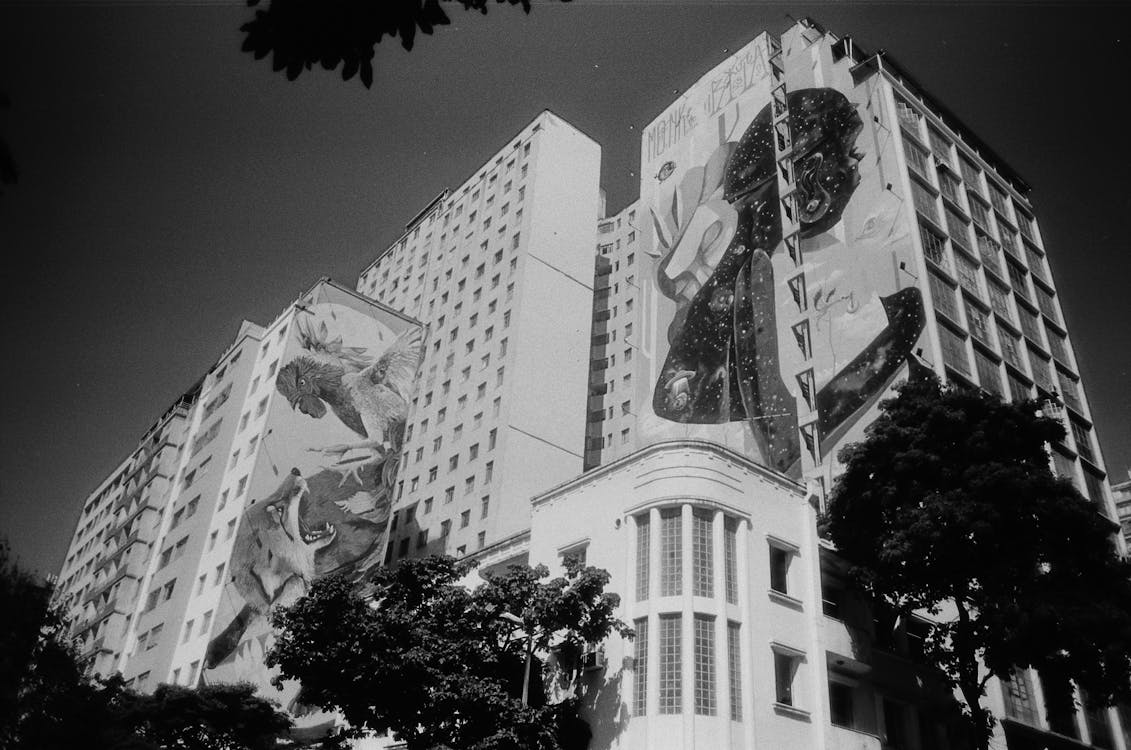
x: 1121, y: 494
x: 102, y: 579
x: 813, y: 227
x: 500, y: 270
x: 664, y: 390
x: 609, y: 412
x: 278, y: 467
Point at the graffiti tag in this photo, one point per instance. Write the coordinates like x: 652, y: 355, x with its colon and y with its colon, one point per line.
x: 671, y: 127
x: 746, y: 70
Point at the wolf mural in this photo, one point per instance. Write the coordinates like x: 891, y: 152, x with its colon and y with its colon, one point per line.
x: 332, y: 517
x: 306, y: 528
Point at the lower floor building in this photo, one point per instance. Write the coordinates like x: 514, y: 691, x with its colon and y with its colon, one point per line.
x: 747, y: 634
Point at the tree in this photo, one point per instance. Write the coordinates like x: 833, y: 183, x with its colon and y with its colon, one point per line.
x: 50, y: 703
x: 300, y: 34
x: 441, y: 665
x: 44, y: 696
x: 949, y: 506
x: 212, y: 717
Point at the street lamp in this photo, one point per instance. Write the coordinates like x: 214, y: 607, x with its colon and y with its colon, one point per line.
x: 516, y: 620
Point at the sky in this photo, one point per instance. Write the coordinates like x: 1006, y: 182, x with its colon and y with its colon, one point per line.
x: 172, y: 186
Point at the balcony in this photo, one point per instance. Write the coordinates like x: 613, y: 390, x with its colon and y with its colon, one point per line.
x: 843, y: 738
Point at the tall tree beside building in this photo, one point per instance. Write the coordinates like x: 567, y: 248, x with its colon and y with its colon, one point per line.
x: 949, y: 506
x: 442, y: 666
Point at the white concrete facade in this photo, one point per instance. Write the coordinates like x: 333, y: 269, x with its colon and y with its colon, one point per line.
x: 500, y: 270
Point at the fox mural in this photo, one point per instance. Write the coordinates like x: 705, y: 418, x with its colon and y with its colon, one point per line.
x: 320, y: 496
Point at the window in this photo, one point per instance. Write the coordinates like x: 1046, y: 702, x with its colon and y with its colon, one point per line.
x: 464, y: 519
x: 988, y: 375
x: 999, y: 301
x: 1060, y: 707
x: 1058, y: 345
x: 734, y: 669
x: 1082, y: 436
x: 1018, y: 694
x: 780, y: 558
x: 730, y: 559
x: 670, y: 664
x: 231, y: 529
x: 484, y: 506
x: 206, y: 622
x: 1046, y: 303
x: 967, y: 274
x: 924, y: 201
x: 212, y: 540
x: 643, y: 556
x: 704, y: 645
x: 978, y: 323
x: 671, y: 552
x: 916, y: 158
x: 640, y: 667
x: 469, y: 485
x: 702, y: 558
x: 218, y: 577
x: 943, y: 295
x: 933, y: 246
x: 989, y: 251
x: 785, y: 670
x: 1029, y: 324
x: 954, y: 350
x: 188, y: 631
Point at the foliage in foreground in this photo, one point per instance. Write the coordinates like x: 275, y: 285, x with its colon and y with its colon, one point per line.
x: 47, y: 702
x: 440, y: 665
x: 949, y: 506
x: 299, y: 34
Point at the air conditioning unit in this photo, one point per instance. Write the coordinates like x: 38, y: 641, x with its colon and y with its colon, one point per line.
x: 593, y: 660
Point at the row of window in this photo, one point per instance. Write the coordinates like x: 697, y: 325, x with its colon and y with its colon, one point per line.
x: 702, y: 553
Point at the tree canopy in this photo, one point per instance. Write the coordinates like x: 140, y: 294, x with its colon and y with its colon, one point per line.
x: 50, y: 703
x: 299, y: 34
x: 438, y: 664
x: 950, y: 506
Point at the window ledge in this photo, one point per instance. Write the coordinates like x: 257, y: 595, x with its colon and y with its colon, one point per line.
x: 791, y: 711
x: 785, y: 599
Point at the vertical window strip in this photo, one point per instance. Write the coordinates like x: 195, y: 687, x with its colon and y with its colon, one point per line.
x: 640, y: 665
x: 643, y: 556
x: 671, y: 687
x: 705, y: 700
x: 734, y: 670
x: 702, y: 557
x: 671, y: 552
x: 730, y: 558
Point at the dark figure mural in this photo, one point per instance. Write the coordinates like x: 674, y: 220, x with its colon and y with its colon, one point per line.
x: 723, y: 364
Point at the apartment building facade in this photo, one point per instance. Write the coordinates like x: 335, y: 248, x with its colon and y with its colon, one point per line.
x: 748, y: 633
x: 103, y: 576
x: 500, y: 270
x: 812, y: 229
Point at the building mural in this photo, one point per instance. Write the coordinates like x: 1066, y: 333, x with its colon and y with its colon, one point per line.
x: 322, y: 487
x: 774, y: 351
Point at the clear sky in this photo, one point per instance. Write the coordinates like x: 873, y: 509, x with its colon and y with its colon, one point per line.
x: 172, y: 185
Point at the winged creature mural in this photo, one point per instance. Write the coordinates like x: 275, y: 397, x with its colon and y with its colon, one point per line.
x: 368, y: 395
